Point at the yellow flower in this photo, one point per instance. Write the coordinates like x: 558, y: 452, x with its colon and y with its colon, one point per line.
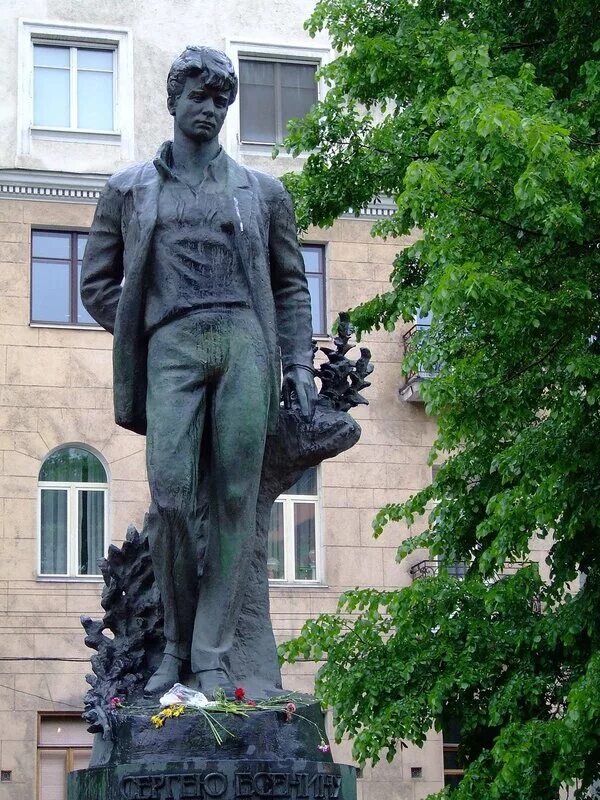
x: 167, y: 712
x: 157, y: 721
x: 177, y: 711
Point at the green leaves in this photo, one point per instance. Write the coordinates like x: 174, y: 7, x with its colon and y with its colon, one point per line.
x: 482, y: 120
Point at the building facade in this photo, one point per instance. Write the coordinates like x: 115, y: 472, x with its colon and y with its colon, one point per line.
x: 83, y: 87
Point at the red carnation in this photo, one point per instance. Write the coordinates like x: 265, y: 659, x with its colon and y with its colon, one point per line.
x: 239, y: 693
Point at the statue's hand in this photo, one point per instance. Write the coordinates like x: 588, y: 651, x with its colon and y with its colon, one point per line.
x: 299, y: 389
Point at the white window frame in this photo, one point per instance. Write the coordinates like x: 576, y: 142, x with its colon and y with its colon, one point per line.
x: 294, y: 53
x: 76, y: 36
x: 72, y: 488
x: 289, y: 551
x: 74, y: 70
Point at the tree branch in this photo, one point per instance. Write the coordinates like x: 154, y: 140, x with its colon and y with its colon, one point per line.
x: 525, y: 45
x: 536, y: 362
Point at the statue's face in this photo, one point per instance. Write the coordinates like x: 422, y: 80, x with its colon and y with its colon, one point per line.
x: 200, y: 111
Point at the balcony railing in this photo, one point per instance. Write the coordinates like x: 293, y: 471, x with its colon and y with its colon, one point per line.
x: 427, y: 569
x: 458, y: 569
x: 410, y: 389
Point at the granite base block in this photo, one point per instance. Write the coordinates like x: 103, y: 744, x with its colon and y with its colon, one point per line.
x: 257, y: 735
x: 265, y: 753
x: 227, y: 779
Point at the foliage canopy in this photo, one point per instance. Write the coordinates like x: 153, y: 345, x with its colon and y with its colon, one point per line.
x: 482, y: 119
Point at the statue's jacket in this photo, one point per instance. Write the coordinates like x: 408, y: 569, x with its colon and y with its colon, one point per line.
x: 114, y: 279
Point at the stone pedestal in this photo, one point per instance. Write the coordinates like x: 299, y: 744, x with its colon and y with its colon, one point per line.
x: 263, y: 755
x: 227, y: 779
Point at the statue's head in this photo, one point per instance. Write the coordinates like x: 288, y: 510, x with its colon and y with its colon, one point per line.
x: 212, y: 67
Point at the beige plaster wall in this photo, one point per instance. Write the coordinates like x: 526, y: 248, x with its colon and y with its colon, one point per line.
x: 159, y: 31
x: 55, y: 388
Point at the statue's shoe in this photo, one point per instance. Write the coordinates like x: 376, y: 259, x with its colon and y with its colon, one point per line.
x: 212, y: 679
x: 165, y: 676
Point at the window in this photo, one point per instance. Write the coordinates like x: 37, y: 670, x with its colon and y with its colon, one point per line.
x: 63, y: 745
x: 277, y: 83
x: 456, y: 569
x: 73, y: 495
x: 410, y: 391
x: 272, y: 93
x: 73, y: 87
x: 411, y: 340
x: 423, y: 320
x: 55, y: 270
x: 294, y: 536
x: 314, y: 265
x: 435, y: 468
x: 453, y: 770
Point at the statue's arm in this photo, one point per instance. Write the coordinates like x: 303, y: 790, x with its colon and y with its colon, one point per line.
x: 102, y: 268
x: 288, y: 281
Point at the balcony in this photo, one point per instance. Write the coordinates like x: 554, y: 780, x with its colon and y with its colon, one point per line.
x: 458, y: 569
x: 427, y: 569
x: 410, y: 390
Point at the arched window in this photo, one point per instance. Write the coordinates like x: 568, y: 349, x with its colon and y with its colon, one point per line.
x: 73, y: 506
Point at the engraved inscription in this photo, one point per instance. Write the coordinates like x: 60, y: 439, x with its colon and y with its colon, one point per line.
x: 293, y: 785
x: 248, y: 785
x: 189, y: 785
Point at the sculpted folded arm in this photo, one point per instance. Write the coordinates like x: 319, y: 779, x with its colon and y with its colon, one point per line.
x: 102, y: 268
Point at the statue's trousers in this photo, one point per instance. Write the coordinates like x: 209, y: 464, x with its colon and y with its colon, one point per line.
x: 207, y: 403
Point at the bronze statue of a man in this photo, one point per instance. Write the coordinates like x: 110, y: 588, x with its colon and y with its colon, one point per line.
x: 193, y: 264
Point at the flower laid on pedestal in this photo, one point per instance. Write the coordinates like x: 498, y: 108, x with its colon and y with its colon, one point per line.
x: 181, y: 700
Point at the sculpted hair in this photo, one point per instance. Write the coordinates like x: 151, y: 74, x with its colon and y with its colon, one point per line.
x: 213, y: 66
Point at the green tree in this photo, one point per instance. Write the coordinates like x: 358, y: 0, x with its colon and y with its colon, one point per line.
x: 481, y: 118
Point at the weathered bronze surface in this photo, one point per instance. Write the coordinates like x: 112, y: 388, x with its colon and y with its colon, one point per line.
x: 198, y: 779
x: 133, y: 610
x: 193, y: 264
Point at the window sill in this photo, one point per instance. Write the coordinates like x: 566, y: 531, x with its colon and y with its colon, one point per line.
x: 73, y: 135
x: 295, y: 585
x: 65, y: 326
x: 70, y: 579
x: 266, y: 150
